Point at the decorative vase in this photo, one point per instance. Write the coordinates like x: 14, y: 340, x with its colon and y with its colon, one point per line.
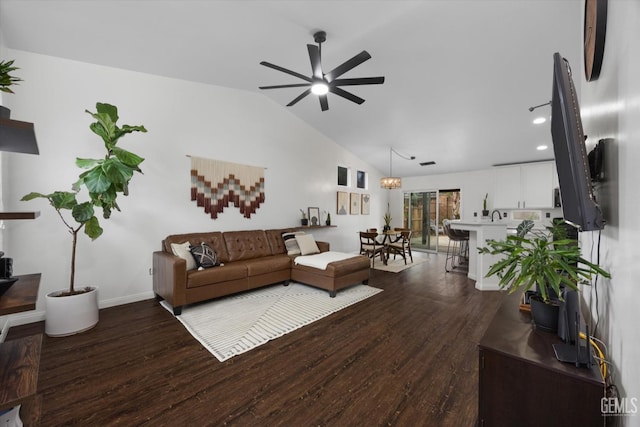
x: 328, y: 221
x: 485, y: 213
x: 304, y: 222
x: 69, y: 315
x: 386, y: 228
x: 545, y: 315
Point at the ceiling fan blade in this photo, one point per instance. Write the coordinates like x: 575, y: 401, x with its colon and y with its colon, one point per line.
x: 346, y: 95
x: 324, y: 103
x: 358, y: 81
x: 284, y: 70
x: 283, y: 86
x: 346, y: 66
x: 314, y: 56
x: 302, y: 95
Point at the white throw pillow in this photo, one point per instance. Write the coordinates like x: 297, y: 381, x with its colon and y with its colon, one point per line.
x: 307, y: 244
x: 290, y: 242
x: 182, y: 250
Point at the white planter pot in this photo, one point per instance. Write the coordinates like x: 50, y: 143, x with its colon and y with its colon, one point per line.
x: 70, y: 315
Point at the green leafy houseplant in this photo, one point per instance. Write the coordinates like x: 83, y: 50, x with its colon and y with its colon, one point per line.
x: 387, y: 218
x: 6, y: 79
x: 104, y: 179
x: 534, y: 258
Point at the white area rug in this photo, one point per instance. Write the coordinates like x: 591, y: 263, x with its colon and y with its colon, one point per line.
x: 236, y: 324
x: 397, y: 265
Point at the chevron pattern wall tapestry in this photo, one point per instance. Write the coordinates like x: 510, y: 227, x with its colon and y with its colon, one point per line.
x: 215, y: 184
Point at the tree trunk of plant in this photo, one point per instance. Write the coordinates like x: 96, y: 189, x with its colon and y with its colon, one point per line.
x: 73, y: 260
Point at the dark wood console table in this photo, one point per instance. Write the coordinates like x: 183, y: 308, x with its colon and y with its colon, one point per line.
x: 21, y: 296
x: 522, y: 383
x: 20, y: 358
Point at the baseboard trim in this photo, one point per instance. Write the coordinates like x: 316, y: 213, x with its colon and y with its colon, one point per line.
x: 5, y: 329
x: 39, y: 316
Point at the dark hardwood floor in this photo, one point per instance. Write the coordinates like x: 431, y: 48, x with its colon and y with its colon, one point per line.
x: 404, y: 357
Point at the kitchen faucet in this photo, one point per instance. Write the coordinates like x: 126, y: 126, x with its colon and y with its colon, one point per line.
x: 495, y: 211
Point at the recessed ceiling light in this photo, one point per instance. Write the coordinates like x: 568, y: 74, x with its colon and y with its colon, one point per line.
x: 541, y: 147
x: 539, y: 120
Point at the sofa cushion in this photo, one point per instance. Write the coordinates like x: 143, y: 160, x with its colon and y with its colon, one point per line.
x: 267, y: 265
x: 182, y: 250
x: 211, y: 276
x: 243, y: 245
x: 307, y: 244
x: 274, y: 237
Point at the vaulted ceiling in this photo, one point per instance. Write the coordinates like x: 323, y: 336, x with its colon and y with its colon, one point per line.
x: 460, y: 74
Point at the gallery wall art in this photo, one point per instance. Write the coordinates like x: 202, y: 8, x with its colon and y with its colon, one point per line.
x: 355, y: 204
x: 343, y: 203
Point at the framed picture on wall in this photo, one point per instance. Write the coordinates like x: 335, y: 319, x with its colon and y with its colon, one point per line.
x: 366, y: 204
x: 355, y: 204
x: 343, y: 176
x: 314, y: 216
x: 361, y: 179
x: 343, y: 203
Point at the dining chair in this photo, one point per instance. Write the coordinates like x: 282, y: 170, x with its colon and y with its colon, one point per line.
x: 401, y: 245
x: 370, y: 246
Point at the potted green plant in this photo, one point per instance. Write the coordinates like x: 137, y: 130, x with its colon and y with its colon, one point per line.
x: 104, y: 179
x: 6, y: 81
x: 387, y: 219
x: 485, y: 210
x: 304, y: 221
x: 542, y: 259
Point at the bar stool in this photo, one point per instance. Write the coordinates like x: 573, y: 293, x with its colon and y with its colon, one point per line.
x: 458, y: 247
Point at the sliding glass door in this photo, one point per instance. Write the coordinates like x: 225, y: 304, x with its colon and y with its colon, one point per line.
x: 423, y: 214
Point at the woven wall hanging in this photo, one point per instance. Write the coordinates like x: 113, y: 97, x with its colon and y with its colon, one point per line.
x: 215, y: 184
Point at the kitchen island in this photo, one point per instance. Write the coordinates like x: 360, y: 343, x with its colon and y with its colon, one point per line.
x: 479, y: 264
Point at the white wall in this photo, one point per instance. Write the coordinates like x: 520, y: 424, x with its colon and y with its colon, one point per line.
x: 610, y: 108
x: 182, y: 118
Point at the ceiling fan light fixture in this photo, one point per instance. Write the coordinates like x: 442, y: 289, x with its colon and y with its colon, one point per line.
x: 320, y: 88
x: 321, y: 83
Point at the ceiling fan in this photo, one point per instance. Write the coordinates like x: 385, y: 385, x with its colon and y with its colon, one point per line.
x: 320, y: 83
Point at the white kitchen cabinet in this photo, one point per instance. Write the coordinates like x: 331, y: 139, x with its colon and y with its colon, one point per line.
x: 525, y: 186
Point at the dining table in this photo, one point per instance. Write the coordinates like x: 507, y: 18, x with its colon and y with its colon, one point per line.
x: 387, y: 238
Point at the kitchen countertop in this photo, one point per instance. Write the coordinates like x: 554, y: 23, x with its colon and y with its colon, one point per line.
x: 481, y: 223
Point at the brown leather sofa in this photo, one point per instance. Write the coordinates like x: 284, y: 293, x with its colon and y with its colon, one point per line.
x: 251, y: 259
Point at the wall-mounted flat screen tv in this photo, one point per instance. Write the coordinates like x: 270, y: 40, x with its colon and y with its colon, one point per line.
x: 579, y: 207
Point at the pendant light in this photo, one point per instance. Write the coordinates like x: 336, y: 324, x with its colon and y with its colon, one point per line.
x: 392, y: 182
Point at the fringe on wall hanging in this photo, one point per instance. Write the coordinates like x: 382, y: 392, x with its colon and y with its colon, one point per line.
x: 215, y: 184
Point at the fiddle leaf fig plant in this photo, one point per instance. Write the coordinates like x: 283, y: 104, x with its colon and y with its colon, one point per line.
x: 104, y: 179
x: 545, y: 259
